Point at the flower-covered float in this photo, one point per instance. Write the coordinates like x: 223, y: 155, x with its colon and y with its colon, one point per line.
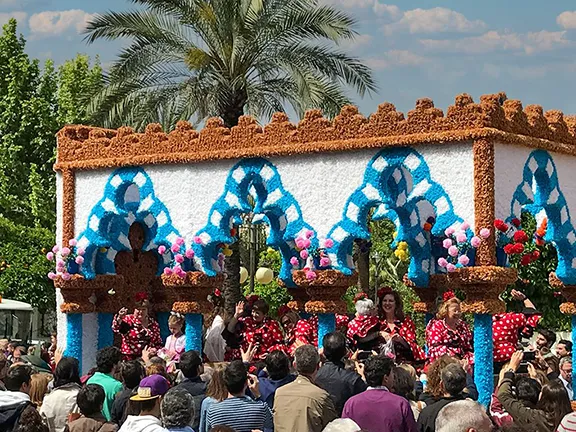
x: 156, y: 211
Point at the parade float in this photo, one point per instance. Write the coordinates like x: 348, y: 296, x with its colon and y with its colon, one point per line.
x: 154, y: 211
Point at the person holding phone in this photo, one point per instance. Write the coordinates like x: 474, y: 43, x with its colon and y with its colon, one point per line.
x: 395, y: 325
x: 139, y: 330
x: 509, y: 328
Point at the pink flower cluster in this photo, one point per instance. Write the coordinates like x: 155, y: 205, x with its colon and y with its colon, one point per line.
x: 308, y: 254
x: 63, y: 257
x: 457, y: 245
x: 179, y: 258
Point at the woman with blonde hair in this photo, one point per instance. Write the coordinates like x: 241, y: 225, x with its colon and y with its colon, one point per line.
x: 38, y: 388
x: 449, y: 333
x: 215, y: 392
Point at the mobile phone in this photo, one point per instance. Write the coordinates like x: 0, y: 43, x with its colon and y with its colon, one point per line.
x: 529, y: 356
x: 363, y: 355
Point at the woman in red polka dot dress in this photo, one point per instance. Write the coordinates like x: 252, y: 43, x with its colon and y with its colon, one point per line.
x: 138, y: 330
x: 258, y: 330
x: 364, y: 330
x: 509, y: 328
x: 398, y: 327
x: 298, y: 331
x: 448, y: 333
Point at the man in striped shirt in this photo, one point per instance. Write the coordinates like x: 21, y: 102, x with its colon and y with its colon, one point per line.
x: 239, y: 411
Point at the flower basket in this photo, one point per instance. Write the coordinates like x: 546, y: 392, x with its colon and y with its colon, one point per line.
x: 325, y: 290
x: 568, y: 292
x: 91, y: 295
x: 428, y: 295
x: 188, y: 294
x: 193, y: 279
x: 483, y: 286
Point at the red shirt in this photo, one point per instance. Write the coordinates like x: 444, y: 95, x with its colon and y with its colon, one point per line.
x: 407, y: 330
x: 267, y: 334
x: 505, y: 331
x: 135, y: 337
x: 304, y: 331
x: 441, y: 340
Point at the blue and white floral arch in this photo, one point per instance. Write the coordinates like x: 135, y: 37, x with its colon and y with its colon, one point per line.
x: 275, y: 206
x: 398, y: 184
x: 110, y: 220
x: 540, y: 194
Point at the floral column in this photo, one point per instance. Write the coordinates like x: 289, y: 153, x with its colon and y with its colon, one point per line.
x: 325, y: 292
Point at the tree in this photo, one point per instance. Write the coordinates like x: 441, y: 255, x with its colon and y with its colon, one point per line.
x: 27, y: 127
x: 78, y: 83
x: 226, y: 58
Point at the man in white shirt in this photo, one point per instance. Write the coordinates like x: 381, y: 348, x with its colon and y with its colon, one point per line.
x: 566, y: 375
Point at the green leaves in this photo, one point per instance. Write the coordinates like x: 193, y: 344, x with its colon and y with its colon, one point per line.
x: 239, y: 56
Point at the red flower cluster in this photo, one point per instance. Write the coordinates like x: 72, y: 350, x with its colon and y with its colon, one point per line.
x: 520, y: 237
x: 516, y: 222
x: 283, y: 310
x: 530, y: 257
x: 383, y: 291
x: 514, y: 248
x: 448, y: 295
x: 360, y: 296
x: 217, y: 293
x: 500, y: 225
x: 140, y: 296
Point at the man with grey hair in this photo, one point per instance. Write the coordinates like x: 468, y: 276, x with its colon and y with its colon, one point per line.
x: 177, y: 410
x: 301, y: 405
x: 566, y: 375
x: 463, y: 416
x: 452, y: 382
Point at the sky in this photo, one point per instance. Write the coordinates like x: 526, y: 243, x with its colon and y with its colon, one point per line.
x: 436, y: 49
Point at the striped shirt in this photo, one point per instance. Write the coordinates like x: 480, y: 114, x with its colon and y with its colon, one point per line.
x: 242, y: 414
x: 568, y: 423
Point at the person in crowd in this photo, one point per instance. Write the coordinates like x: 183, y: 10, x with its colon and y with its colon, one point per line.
x: 552, y: 406
x: 449, y: 333
x: 149, y: 397
x: 301, y: 405
x: 364, y: 330
x: 508, y: 328
x: 395, y: 325
x: 107, y: 363
x: 18, y: 353
x: 191, y: 367
x: 297, y: 331
x: 4, y: 346
x: 262, y: 332
x: 215, y: 392
x: 366, y: 408
x: 90, y: 402
x: 239, y: 411
x: 10, y: 350
x: 463, y: 416
x: 434, y: 390
x: 342, y: 425
x: 341, y: 384
x: 404, y: 387
x: 16, y: 409
x: 566, y: 375
x: 132, y: 373
x: 177, y: 410
x: 527, y: 391
x: 568, y: 423
x: 38, y: 389
x: 214, y: 343
x: 4, y: 366
x: 564, y: 348
x: 221, y: 428
x: 453, y: 382
x: 62, y: 400
x: 278, y: 375
x: 138, y: 329
x: 175, y: 343
x: 545, y: 340
x: 233, y: 333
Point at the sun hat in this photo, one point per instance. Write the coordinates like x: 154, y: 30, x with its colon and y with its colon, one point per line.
x: 151, y: 387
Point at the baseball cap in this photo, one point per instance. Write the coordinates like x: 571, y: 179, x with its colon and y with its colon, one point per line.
x: 151, y: 387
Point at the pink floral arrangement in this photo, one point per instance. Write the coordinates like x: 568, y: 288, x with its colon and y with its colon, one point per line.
x: 457, y: 245
x: 182, y: 257
x: 311, y: 257
x: 68, y: 259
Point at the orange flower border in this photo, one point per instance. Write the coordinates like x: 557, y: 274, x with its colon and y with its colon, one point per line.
x: 325, y: 307
x: 193, y: 279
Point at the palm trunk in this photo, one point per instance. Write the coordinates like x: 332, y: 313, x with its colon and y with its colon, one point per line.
x: 231, y: 287
x: 362, y: 258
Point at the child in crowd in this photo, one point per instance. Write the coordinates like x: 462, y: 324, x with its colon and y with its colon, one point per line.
x: 175, y: 343
x: 90, y: 402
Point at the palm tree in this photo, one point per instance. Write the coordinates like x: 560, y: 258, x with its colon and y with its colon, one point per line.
x: 200, y: 58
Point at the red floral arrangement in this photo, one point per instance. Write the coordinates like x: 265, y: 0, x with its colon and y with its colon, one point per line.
x: 140, y: 297
x: 252, y: 298
x: 360, y: 296
x: 513, y: 240
x: 217, y: 293
x: 448, y: 295
x: 383, y: 291
x: 283, y: 310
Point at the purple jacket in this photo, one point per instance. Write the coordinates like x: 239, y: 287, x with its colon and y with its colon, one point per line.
x: 378, y: 410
